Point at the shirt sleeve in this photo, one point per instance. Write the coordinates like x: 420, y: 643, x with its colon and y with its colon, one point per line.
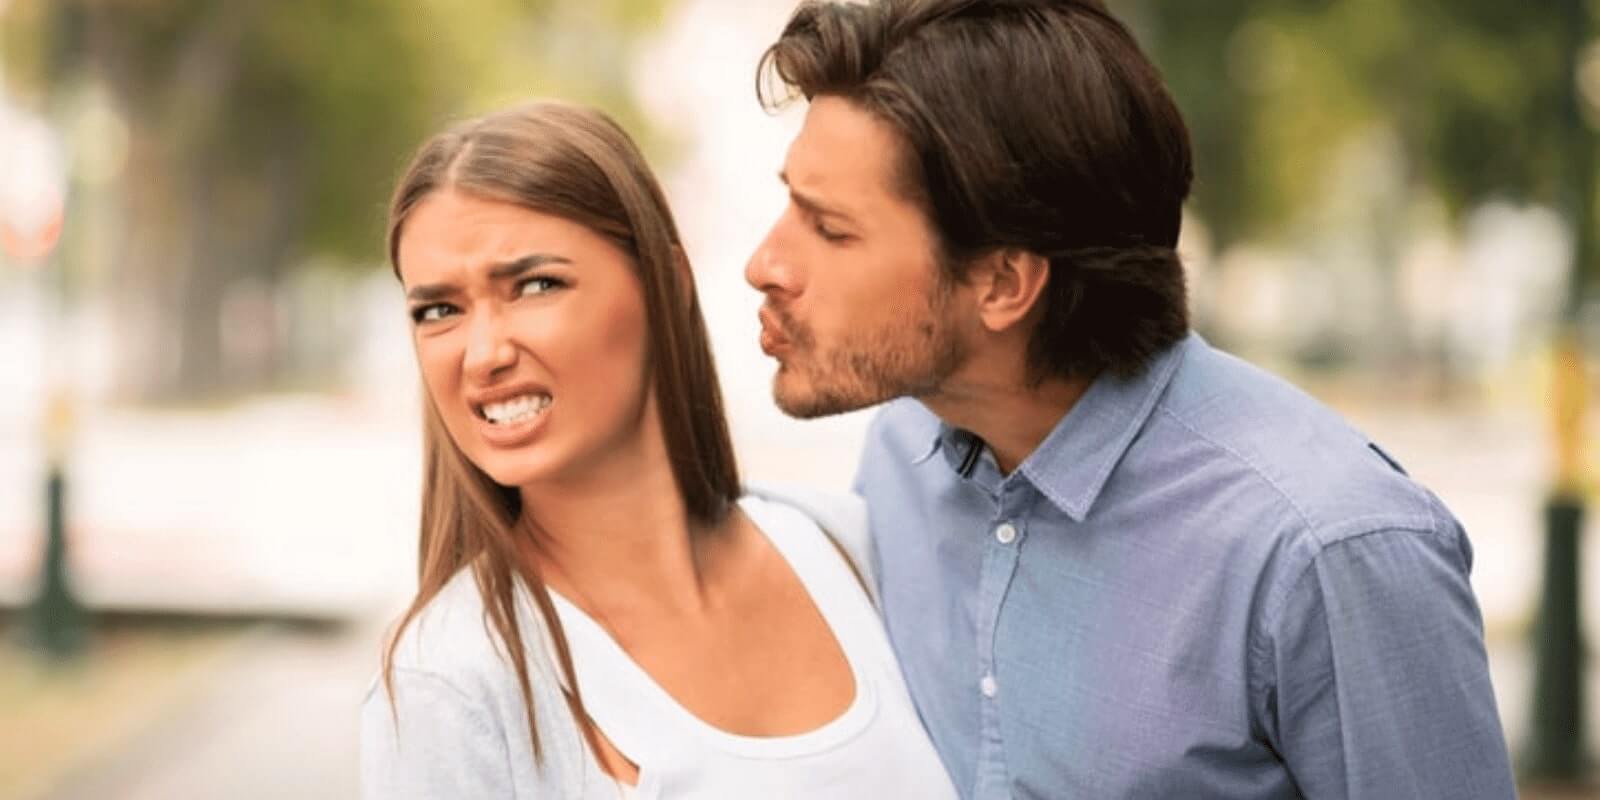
x: 1379, y: 676
x: 433, y: 744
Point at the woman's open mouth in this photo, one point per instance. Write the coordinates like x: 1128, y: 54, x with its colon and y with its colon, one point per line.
x: 515, y: 421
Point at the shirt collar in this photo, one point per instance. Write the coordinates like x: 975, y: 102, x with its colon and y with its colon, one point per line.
x: 1073, y: 463
x: 926, y: 426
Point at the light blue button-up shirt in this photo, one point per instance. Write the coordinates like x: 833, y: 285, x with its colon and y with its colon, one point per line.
x: 1202, y: 584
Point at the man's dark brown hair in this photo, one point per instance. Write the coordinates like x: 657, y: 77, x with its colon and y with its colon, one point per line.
x: 1036, y: 124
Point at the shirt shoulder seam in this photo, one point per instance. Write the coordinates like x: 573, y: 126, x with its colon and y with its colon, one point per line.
x: 1278, y: 599
x: 1255, y: 469
x: 1324, y: 546
x: 1344, y: 749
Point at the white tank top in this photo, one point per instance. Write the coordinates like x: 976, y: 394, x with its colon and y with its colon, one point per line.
x: 875, y: 749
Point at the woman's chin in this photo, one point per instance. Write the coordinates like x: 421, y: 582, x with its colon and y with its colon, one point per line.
x: 515, y: 470
x: 518, y: 476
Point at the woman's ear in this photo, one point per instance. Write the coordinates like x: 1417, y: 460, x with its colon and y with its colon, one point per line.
x: 1009, y: 282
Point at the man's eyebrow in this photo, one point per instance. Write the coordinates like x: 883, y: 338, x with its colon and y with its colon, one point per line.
x: 498, y: 272
x: 811, y: 204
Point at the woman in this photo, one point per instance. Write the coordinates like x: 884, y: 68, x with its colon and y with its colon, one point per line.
x: 600, y: 612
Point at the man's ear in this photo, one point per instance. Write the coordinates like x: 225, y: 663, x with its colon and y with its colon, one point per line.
x: 1010, y: 283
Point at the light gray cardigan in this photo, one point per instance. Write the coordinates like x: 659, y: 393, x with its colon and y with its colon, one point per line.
x: 458, y: 730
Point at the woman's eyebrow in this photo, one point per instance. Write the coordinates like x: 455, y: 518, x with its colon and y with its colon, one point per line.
x: 511, y: 269
x: 499, y: 272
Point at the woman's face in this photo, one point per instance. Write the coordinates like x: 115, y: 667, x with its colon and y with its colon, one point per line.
x: 530, y: 335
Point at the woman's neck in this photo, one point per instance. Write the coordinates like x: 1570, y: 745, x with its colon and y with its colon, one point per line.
x: 617, y: 535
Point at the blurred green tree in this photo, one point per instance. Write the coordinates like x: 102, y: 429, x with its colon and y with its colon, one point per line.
x: 265, y: 132
x: 1472, y: 89
x: 1461, y: 102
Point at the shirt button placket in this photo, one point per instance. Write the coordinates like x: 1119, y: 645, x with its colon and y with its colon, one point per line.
x: 999, y: 565
x: 1005, y: 533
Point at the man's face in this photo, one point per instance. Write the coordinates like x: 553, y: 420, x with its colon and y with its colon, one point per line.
x: 856, y: 310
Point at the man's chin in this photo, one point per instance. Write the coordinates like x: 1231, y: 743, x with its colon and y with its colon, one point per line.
x: 803, y: 400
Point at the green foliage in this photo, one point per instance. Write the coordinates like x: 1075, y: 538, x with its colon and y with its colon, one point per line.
x: 1473, y: 89
x: 333, y: 95
x: 363, y: 81
x: 263, y: 134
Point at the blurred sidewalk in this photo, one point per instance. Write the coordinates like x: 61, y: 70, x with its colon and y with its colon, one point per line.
x: 277, y: 720
x: 276, y: 717
x: 314, y: 504
x: 302, y: 506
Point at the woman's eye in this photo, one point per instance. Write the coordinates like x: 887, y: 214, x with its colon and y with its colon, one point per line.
x: 431, y: 313
x: 539, y: 286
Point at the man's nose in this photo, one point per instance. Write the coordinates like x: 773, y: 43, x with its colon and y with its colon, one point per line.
x: 768, y: 271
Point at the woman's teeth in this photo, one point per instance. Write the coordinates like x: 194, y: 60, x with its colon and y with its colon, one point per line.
x: 516, y: 409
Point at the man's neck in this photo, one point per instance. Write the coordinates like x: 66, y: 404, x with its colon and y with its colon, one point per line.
x: 1010, y: 414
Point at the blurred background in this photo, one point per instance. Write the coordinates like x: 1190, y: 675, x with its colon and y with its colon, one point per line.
x: 208, y: 408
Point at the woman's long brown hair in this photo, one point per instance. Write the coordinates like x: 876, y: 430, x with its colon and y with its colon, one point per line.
x: 574, y: 163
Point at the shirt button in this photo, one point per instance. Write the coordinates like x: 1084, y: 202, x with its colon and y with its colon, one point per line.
x: 988, y: 686
x: 1006, y: 533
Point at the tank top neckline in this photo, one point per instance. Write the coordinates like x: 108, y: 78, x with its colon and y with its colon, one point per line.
x: 619, y: 694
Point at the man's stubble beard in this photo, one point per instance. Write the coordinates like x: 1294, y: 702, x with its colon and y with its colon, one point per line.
x: 911, y: 356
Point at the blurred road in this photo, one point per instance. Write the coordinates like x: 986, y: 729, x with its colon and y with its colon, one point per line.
x: 276, y: 718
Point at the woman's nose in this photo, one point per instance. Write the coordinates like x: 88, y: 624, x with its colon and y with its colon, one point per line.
x: 489, y: 348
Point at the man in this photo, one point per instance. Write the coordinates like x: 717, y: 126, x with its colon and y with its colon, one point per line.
x: 1114, y: 561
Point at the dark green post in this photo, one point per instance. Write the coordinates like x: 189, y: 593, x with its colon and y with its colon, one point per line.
x: 1557, y: 751
x: 1557, y: 748
x: 57, y: 617
x: 56, y: 622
